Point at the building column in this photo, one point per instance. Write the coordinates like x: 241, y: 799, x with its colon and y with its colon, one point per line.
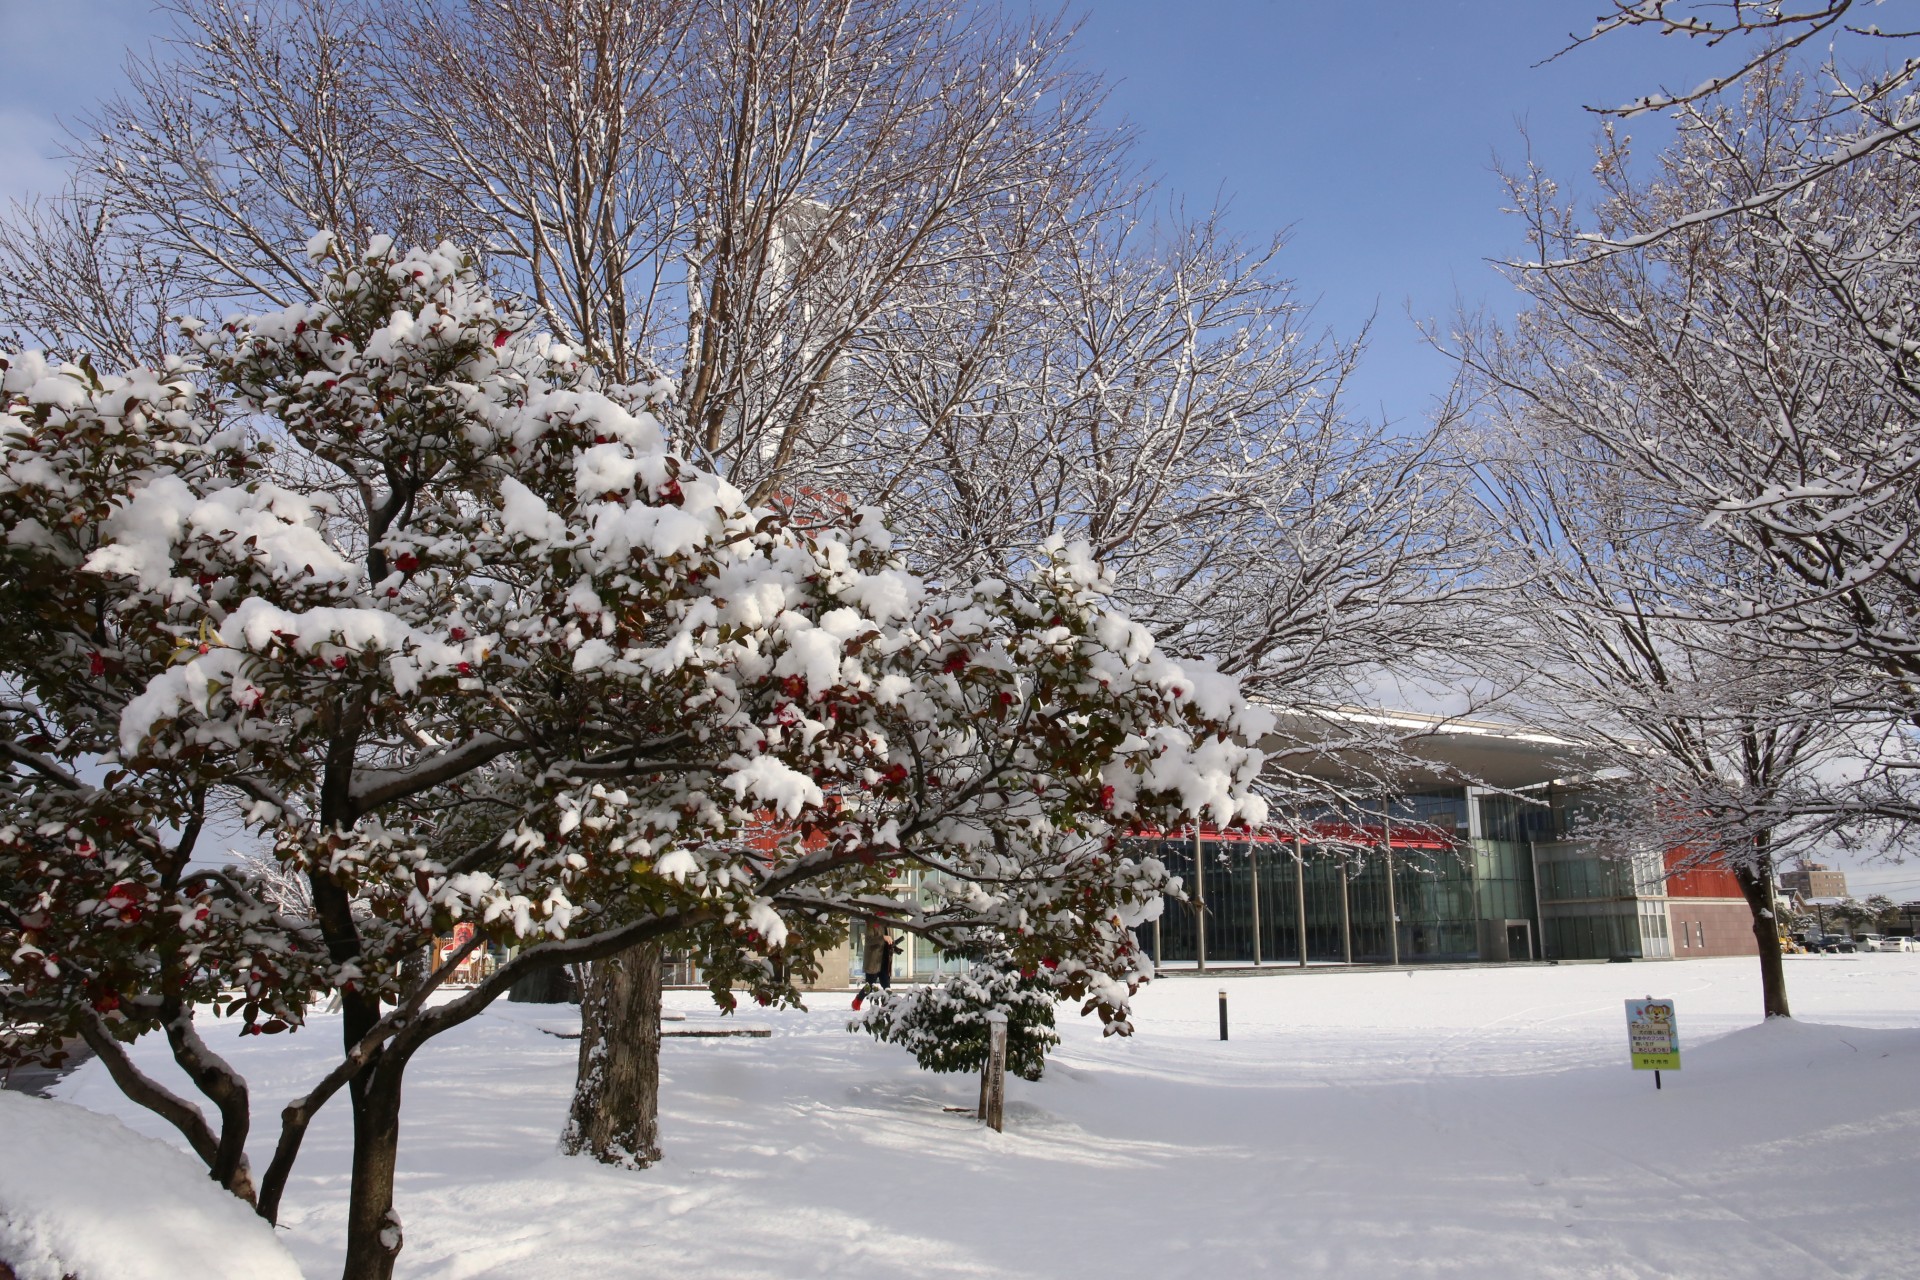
x: 1540, y: 908
x: 1199, y: 902
x: 1393, y: 907
x: 1346, y: 916
x: 1253, y: 867
x: 1300, y: 893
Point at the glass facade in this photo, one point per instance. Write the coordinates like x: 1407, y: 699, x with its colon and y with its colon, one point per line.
x: 1594, y: 903
x: 1449, y: 874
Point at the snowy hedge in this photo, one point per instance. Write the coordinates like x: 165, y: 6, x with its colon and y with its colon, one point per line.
x: 82, y: 1195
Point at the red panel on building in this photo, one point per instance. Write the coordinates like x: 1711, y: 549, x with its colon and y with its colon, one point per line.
x: 1698, y: 882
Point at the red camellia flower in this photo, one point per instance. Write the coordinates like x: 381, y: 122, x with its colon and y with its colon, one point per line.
x: 956, y: 661
x: 406, y: 562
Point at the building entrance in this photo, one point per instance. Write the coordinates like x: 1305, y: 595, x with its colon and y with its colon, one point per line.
x: 1519, y: 940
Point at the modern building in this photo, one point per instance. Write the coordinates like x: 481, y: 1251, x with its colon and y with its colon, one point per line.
x: 1476, y: 857
x: 1444, y: 869
x: 1448, y: 874
x: 1814, y: 880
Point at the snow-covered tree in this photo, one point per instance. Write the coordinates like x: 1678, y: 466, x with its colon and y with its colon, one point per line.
x: 1713, y: 747
x: 1758, y: 375
x: 944, y: 1024
x: 1155, y: 389
x: 471, y: 643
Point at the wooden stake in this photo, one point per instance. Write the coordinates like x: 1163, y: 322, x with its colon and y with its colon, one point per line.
x: 993, y: 1077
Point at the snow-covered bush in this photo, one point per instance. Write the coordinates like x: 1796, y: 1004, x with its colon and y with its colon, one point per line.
x: 444, y: 619
x: 944, y: 1024
x: 82, y: 1195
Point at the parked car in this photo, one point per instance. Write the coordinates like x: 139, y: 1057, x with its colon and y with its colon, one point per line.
x: 1890, y: 943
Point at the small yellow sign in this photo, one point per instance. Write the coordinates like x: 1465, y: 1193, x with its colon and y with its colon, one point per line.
x: 1653, y: 1035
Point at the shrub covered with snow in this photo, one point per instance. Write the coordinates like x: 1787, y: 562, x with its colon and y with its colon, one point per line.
x: 82, y: 1195
x: 944, y: 1024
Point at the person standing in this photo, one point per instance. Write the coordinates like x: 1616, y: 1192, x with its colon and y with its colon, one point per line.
x: 876, y: 961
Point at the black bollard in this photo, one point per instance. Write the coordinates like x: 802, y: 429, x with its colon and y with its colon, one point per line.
x: 1223, y: 1013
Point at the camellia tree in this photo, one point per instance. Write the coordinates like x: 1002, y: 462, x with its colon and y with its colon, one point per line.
x: 437, y: 614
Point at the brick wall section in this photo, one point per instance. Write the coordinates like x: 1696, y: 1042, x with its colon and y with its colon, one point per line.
x: 1713, y: 927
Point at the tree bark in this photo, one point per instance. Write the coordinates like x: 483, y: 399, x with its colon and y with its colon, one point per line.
x: 616, y: 1096
x: 373, y: 1228
x: 227, y: 1090
x: 1756, y: 886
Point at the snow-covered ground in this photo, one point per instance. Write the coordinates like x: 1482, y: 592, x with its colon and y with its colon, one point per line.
x: 1478, y: 1122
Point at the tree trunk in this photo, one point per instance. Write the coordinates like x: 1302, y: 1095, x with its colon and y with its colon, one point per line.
x: 1756, y: 886
x: 542, y: 986
x: 373, y: 1228
x: 616, y: 1096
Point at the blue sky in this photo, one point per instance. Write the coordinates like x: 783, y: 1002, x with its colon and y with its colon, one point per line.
x: 1371, y: 128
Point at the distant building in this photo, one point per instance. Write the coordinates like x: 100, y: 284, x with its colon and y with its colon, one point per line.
x: 1440, y: 871
x: 1815, y: 880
